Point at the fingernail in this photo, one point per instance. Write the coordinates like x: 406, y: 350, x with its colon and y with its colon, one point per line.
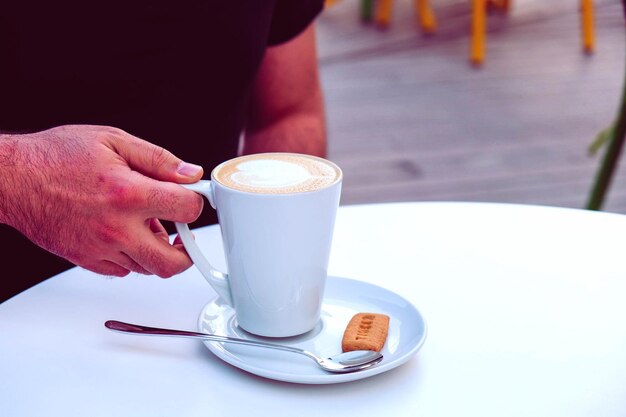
x: 188, y: 170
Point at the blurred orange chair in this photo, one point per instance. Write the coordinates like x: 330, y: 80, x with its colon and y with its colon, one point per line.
x: 588, y: 35
x: 428, y: 22
x: 425, y: 17
x: 479, y: 26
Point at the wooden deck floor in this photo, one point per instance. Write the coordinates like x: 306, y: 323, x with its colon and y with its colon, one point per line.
x: 410, y: 120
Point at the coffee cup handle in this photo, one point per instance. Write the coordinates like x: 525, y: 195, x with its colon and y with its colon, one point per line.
x: 217, y: 279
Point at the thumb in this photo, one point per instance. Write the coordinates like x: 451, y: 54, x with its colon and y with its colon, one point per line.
x: 156, y: 162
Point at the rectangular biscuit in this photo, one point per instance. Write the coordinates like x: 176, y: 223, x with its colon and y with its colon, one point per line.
x: 365, y: 331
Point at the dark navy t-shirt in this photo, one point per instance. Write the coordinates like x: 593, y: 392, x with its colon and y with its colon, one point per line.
x: 176, y: 74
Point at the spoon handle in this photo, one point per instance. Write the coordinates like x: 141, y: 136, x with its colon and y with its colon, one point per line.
x: 155, y: 331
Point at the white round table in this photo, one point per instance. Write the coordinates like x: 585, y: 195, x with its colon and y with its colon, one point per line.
x: 525, y: 305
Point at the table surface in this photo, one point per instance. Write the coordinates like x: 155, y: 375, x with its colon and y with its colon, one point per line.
x: 525, y: 308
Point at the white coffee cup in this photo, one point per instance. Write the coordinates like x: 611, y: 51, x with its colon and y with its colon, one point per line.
x: 276, y: 212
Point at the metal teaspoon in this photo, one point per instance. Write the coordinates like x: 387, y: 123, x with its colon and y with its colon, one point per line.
x: 342, y: 363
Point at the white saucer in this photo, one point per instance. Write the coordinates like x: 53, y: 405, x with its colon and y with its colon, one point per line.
x: 343, y: 298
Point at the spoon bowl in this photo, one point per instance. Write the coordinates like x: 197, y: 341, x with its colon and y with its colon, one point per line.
x: 345, y: 362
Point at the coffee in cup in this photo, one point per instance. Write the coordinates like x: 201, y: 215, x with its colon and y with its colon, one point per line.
x: 277, y: 173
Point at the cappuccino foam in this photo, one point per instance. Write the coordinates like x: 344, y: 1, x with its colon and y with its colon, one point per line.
x: 277, y: 173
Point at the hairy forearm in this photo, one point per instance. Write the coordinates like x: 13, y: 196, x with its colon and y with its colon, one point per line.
x: 8, y: 150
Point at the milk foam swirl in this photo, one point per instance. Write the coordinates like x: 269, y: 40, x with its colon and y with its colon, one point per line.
x: 277, y: 173
x: 269, y: 173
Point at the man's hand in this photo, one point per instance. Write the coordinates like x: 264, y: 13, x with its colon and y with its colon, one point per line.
x: 94, y: 194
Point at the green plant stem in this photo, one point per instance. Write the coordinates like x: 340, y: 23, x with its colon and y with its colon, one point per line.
x: 611, y: 157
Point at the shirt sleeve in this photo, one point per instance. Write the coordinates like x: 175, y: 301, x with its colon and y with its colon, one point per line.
x: 291, y: 17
